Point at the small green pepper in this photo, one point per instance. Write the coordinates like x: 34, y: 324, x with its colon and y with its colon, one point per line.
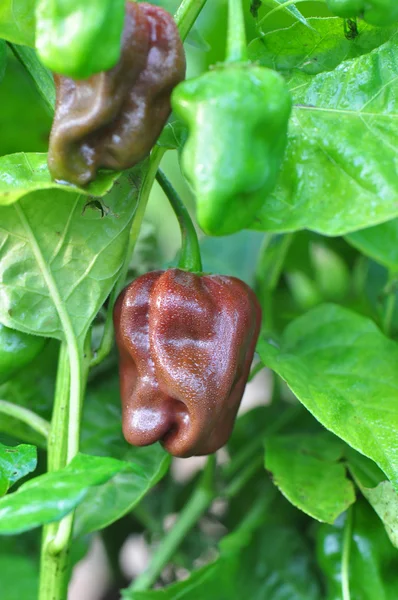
x: 79, y: 39
x: 17, y: 350
x: 375, y: 12
x: 237, y: 116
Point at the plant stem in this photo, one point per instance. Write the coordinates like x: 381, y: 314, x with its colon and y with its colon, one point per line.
x: 186, y: 15
x: 26, y: 416
x: 236, y: 42
x: 190, y: 258
x: 54, y: 568
x: 255, y: 370
x: 345, y: 561
x: 196, y: 506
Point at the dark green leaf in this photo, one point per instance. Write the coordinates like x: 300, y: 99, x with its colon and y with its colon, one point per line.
x: 51, y: 496
x: 306, y: 470
x: 344, y: 370
x: 373, y: 562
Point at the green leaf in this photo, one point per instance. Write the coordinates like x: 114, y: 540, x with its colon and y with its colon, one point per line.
x: 306, y: 470
x: 51, y: 496
x: 16, y: 462
x: 379, y: 493
x: 329, y: 183
x: 24, y: 173
x: 17, y: 21
x: 373, y: 561
x: 58, y: 248
x: 79, y: 39
x: 320, y: 47
x: 344, y: 370
x: 379, y: 242
x: 118, y: 496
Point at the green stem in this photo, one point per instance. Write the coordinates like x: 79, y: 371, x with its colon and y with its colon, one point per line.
x: 26, y: 416
x: 190, y: 258
x: 236, y: 42
x: 186, y: 15
x: 345, y: 561
x: 54, y: 569
x: 193, y: 510
x: 255, y: 370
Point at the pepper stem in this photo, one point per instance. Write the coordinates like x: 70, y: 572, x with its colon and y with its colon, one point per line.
x: 236, y: 42
x: 190, y: 259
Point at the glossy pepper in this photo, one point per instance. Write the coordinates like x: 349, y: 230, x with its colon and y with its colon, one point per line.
x: 375, y: 12
x: 17, y: 350
x: 113, y: 119
x: 186, y: 343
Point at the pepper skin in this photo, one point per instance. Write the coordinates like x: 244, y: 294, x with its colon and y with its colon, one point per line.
x: 237, y: 116
x: 186, y: 343
x: 113, y: 119
x: 17, y: 350
x: 379, y: 13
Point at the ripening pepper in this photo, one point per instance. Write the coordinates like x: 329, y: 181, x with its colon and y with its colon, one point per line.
x: 186, y: 343
x: 375, y: 12
x: 114, y: 118
x: 237, y: 116
x: 17, y: 350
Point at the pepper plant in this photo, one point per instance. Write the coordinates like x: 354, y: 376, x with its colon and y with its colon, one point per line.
x: 282, y: 146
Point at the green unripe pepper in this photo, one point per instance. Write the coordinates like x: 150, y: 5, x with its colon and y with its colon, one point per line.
x: 237, y: 116
x: 375, y: 12
x: 17, y: 350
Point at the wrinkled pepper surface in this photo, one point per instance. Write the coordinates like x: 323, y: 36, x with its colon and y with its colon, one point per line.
x: 186, y: 343
x: 237, y: 116
x: 375, y: 12
x: 113, y: 119
x: 17, y: 350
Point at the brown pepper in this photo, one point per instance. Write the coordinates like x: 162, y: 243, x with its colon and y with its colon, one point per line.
x: 186, y: 343
x: 113, y: 119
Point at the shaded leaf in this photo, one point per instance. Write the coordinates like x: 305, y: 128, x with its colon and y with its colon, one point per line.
x: 373, y: 561
x: 306, y: 470
x: 16, y: 462
x: 344, y: 370
x: 379, y: 242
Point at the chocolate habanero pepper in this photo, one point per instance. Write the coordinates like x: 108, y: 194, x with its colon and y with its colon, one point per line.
x: 114, y: 118
x: 186, y: 343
